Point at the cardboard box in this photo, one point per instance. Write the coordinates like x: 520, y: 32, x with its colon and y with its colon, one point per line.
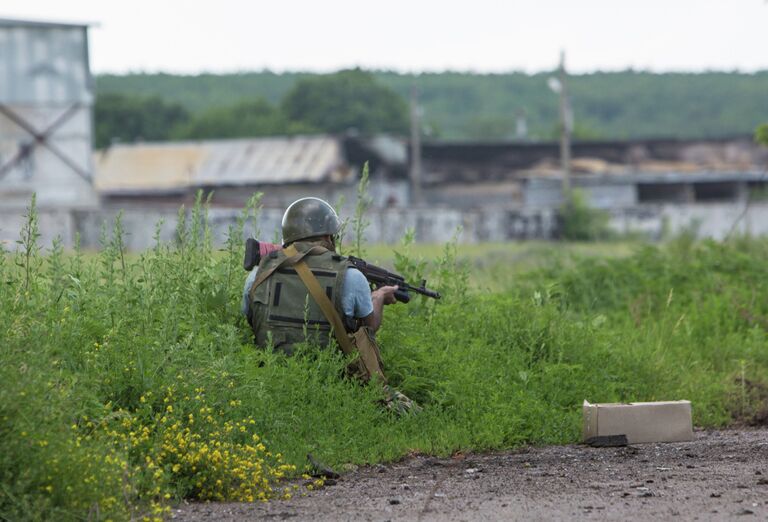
x: 668, y: 421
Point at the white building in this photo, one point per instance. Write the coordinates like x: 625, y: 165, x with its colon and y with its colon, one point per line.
x: 46, y: 100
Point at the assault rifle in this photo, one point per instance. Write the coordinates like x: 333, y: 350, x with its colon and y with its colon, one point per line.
x: 377, y: 276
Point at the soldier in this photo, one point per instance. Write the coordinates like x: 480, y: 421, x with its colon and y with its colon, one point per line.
x: 299, y: 293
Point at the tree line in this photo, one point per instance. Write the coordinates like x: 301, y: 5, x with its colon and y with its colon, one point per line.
x: 616, y: 105
x: 321, y: 104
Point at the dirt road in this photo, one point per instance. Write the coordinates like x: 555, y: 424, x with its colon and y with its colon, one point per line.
x: 721, y: 475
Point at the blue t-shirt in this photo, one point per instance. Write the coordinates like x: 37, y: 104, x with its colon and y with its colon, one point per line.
x: 355, y: 294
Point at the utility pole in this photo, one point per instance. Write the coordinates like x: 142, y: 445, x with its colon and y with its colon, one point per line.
x: 566, y: 127
x: 521, y: 126
x: 415, y: 147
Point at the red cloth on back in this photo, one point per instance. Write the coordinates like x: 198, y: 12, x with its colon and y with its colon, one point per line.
x: 266, y: 248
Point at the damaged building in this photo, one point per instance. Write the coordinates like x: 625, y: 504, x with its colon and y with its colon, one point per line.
x: 469, y: 176
x: 282, y: 168
x: 612, y: 174
x: 494, y: 191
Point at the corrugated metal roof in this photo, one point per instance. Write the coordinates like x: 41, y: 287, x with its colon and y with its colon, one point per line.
x: 270, y: 160
x: 138, y: 169
x: 164, y: 167
x: 44, y: 63
x: 13, y: 22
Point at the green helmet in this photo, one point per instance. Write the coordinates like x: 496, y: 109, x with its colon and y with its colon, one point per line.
x: 309, y: 217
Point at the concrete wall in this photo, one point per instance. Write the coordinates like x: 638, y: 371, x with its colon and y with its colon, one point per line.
x: 715, y: 220
x: 600, y: 193
x: 711, y: 220
x: 52, y: 223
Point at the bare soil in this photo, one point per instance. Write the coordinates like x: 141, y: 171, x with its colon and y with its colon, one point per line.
x: 721, y: 475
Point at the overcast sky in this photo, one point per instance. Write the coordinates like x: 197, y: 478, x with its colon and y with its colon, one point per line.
x: 414, y: 35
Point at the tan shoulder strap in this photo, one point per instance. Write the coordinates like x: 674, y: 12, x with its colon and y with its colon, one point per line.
x: 325, y: 304
x: 292, y: 256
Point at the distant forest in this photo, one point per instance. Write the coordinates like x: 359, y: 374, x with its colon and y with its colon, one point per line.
x: 456, y: 106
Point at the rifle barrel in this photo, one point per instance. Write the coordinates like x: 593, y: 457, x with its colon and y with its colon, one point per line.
x: 378, y: 275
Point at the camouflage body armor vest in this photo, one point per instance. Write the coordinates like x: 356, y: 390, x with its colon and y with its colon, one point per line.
x: 282, y: 308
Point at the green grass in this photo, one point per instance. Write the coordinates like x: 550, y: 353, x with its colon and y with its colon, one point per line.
x: 498, y: 266
x: 117, y: 370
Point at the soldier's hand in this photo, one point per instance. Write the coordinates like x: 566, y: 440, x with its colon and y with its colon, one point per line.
x: 386, y: 294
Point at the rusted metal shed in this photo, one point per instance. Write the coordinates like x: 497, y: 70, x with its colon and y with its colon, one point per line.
x: 269, y: 161
x: 46, y: 99
x: 146, y: 173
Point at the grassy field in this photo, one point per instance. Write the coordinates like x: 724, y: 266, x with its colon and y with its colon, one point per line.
x: 498, y: 266
x: 129, y: 383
